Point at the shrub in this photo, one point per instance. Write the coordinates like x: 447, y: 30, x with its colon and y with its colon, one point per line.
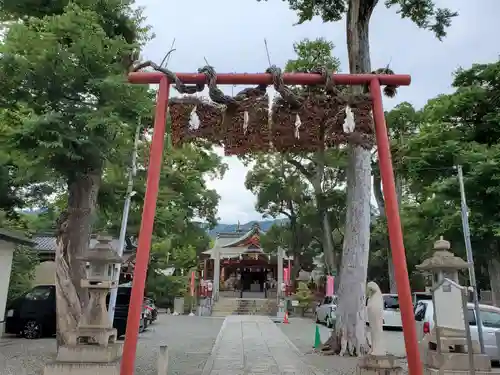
x: 304, y: 296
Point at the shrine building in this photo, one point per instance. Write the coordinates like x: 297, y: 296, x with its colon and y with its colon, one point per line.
x: 238, y: 266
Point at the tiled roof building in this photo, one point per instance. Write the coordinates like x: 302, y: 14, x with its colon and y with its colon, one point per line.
x: 45, y: 245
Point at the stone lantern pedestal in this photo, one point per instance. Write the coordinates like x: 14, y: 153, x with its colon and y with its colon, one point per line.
x: 92, y: 348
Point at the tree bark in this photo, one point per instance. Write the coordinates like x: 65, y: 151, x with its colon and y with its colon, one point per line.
x: 317, y: 183
x: 295, y: 243
x: 494, y: 272
x: 316, y: 180
x: 74, y: 229
x: 349, y: 335
x: 379, y: 197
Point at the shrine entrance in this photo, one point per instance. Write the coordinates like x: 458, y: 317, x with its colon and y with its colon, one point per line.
x: 239, y: 267
x: 253, y: 279
x: 299, y: 121
x: 252, y: 275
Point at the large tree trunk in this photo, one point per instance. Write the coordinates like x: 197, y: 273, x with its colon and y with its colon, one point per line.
x: 317, y: 183
x: 74, y: 229
x: 295, y: 245
x: 350, y: 330
x: 316, y: 180
x: 494, y: 272
x: 349, y: 335
x: 379, y: 197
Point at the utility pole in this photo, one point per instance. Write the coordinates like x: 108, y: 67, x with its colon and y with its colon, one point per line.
x: 470, y: 259
x: 123, y: 230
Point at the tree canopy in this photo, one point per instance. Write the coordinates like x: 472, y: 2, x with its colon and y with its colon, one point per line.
x: 68, y: 120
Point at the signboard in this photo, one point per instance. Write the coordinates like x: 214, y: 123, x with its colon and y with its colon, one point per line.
x: 448, y: 305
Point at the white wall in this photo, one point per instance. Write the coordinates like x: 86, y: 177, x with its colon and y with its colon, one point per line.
x: 6, y: 253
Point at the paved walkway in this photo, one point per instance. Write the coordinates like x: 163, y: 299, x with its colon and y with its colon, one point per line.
x: 254, y: 345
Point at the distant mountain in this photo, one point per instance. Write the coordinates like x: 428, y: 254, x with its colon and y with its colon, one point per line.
x: 263, y: 224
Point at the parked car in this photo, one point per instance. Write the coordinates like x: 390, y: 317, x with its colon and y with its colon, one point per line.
x: 325, y: 311
x: 150, y: 310
x: 421, y: 296
x: 490, y: 316
x: 121, y: 310
x: 33, y: 315
x: 392, y: 314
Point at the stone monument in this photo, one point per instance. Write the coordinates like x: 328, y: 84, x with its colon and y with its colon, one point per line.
x: 92, y: 348
x: 449, y: 347
x: 377, y: 362
x: 374, y: 312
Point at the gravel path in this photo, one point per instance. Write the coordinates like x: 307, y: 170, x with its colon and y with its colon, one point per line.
x: 190, y: 341
x: 301, y: 333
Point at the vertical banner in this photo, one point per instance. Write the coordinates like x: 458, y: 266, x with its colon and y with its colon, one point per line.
x: 192, y: 283
x: 286, y: 276
x: 330, y: 280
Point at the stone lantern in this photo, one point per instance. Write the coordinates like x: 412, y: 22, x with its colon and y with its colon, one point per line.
x: 94, y: 326
x: 447, y: 347
x: 443, y: 264
x: 92, y: 348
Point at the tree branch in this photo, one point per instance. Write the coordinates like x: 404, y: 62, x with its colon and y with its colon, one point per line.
x: 377, y: 191
x: 366, y: 9
x: 301, y: 168
x: 287, y: 214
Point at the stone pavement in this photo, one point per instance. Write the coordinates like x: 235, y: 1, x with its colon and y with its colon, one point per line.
x: 253, y: 345
x: 189, y: 339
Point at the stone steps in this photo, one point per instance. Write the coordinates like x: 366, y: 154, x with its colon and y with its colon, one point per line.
x: 244, y: 306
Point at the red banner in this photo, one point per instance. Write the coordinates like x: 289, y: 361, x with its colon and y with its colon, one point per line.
x: 286, y: 276
x: 330, y: 281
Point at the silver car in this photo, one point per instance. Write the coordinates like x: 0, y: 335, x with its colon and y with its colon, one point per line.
x: 490, y: 315
x: 325, y: 311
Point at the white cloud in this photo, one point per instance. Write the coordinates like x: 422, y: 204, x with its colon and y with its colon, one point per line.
x: 230, y: 35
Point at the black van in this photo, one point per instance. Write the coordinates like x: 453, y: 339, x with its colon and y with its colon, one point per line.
x: 33, y: 315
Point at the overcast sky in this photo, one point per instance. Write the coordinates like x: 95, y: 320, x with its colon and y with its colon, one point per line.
x: 230, y: 35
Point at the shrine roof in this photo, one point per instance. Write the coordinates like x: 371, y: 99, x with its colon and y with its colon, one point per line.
x: 252, y: 237
x: 233, y: 243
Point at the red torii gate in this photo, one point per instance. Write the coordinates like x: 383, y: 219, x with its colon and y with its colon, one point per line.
x: 374, y: 81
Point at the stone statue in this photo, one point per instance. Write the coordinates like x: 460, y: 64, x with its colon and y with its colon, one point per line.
x: 375, y: 310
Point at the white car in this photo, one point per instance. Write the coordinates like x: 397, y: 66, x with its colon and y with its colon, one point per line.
x: 490, y: 316
x: 392, y: 314
x: 325, y: 311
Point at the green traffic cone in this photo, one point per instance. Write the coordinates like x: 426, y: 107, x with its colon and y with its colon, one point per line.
x: 317, y: 338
